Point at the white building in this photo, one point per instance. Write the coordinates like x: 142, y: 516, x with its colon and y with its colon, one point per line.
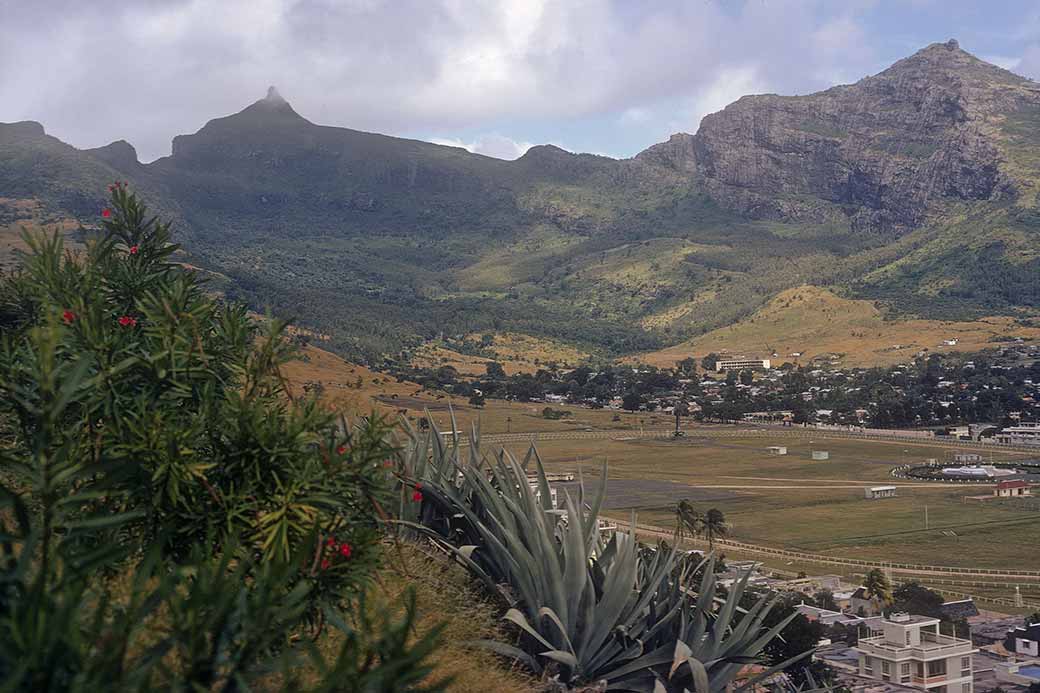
x: 1013, y: 488
x: 741, y: 364
x: 911, y: 652
x: 1026, y: 640
x: 1023, y: 434
x: 875, y: 492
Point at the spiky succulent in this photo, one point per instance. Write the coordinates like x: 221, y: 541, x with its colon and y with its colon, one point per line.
x: 587, y: 609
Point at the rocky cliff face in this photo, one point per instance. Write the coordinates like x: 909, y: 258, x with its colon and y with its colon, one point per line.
x: 883, y: 152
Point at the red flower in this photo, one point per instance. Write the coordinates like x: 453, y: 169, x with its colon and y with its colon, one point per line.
x: 133, y: 250
x: 331, y: 541
x: 68, y: 316
x: 341, y: 450
x: 128, y: 321
x: 325, y: 564
x: 417, y: 496
x: 106, y: 212
x: 345, y: 550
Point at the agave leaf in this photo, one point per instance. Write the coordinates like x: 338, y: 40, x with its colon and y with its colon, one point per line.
x: 515, y: 616
x: 507, y: 651
x: 562, y: 657
x: 551, y: 615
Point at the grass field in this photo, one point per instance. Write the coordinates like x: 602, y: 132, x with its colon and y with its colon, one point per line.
x: 789, y: 501
x: 339, y: 380
x: 793, y: 502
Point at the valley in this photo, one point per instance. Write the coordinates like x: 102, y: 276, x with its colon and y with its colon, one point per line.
x: 925, y: 221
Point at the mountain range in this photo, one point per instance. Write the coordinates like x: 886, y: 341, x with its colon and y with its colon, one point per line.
x: 914, y: 189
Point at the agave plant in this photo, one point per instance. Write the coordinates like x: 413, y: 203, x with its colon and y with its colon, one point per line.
x: 587, y: 610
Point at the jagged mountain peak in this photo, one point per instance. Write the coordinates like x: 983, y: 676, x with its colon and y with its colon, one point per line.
x: 272, y: 109
x: 948, y: 65
x: 24, y: 129
x: 120, y: 154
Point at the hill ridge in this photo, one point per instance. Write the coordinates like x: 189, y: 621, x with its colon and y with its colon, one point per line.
x: 914, y: 188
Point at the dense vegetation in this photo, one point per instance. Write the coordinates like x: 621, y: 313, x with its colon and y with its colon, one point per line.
x: 168, y: 517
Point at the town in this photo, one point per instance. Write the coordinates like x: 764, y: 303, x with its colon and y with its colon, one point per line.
x: 992, y: 396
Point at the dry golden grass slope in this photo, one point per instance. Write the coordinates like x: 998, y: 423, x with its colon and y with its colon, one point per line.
x: 19, y: 214
x: 517, y: 353
x: 445, y: 595
x: 813, y: 321
x: 339, y: 380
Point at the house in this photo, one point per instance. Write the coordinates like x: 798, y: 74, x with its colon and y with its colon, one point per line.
x: 820, y: 455
x: 1024, y: 673
x: 859, y: 602
x: 912, y: 652
x: 1024, y: 640
x: 777, y: 450
x: 1012, y: 488
x: 830, y: 618
x: 875, y: 492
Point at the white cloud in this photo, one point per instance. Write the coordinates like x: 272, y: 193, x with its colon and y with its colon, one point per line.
x: 495, y: 145
x: 1007, y: 62
x: 93, y: 72
x: 636, y: 114
x: 1029, y: 64
x: 730, y: 85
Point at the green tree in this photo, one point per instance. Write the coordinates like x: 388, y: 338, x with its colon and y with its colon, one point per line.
x: 825, y: 600
x: 914, y: 598
x: 148, y: 432
x: 688, y: 520
x: 495, y: 370
x: 632, y: 401
x: 877, y: 587
x: 715, y: 526
x: 687, y: 366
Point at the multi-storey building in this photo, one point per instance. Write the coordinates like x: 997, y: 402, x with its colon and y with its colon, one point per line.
x: 912, y: 652
x: 1023, y: 434
x: 741, y: 364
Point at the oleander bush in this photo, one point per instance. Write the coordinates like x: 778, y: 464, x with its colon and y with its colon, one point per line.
x: 169, y: 515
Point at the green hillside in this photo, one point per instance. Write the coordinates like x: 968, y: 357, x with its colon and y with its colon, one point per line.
x: 383, y: 243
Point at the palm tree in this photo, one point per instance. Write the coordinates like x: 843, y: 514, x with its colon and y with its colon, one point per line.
x: 877, y: 587
x: 715, y: 526
x: 688, y: 520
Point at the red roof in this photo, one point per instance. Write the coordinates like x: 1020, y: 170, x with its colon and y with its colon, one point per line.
x: 1014, y: 483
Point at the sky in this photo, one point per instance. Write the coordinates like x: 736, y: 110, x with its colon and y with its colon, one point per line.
x: 603, y: 76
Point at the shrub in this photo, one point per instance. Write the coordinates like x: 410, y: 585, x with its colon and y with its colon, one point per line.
x: 147, y: 430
